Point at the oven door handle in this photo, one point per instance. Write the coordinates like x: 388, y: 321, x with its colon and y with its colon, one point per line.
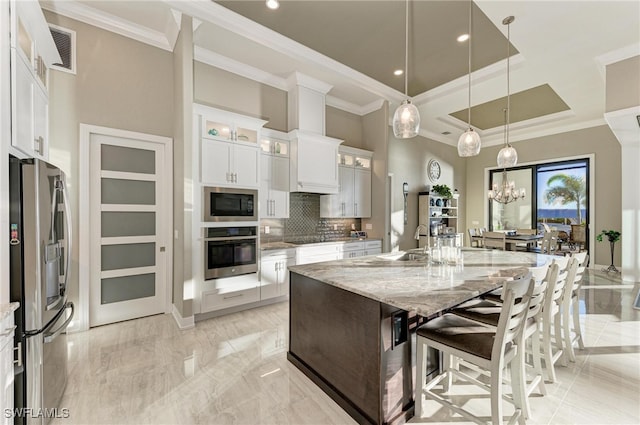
x: 230, y: 238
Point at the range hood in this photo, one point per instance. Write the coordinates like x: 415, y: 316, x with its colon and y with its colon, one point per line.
x: 314, y: 156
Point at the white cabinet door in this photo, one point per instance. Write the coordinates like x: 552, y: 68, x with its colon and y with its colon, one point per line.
x: 362, y: 193
x: 245, y: 165
x: 265, y: 186
x: 279, y: 193
x: 347, y: 191
x: 269, y: 279
x: 274, y: 276
x: 279, y: 173
x: 40, y: 122
x: 274, y: 176
x: 22, y: 106
x: 215, y: 162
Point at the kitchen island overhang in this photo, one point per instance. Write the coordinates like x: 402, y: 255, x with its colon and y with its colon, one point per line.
x: 351, y: 321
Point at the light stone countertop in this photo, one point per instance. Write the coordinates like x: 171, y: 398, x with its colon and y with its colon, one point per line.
x: 7, y: 309
x: 285, y: 245
x: 418, y: 287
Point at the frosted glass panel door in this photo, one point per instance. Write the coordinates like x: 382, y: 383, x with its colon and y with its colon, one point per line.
x: 128, y: 207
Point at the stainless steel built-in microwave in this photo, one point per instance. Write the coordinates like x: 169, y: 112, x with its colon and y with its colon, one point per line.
x: 226, y: 204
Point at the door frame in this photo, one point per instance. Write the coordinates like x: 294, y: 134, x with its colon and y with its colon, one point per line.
x: 84, y: 221
x: 591, y: 185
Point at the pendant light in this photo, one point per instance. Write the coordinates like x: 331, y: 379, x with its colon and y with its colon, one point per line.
x: 406, y: 120
x: 469, y: 142
x: 507, y: 157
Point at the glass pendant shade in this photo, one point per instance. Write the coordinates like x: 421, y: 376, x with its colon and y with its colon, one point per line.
x: 406, y: 120
x: 507, y: 157
x: 469, y: 143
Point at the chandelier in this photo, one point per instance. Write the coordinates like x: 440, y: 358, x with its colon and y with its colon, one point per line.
x: 506, y: 192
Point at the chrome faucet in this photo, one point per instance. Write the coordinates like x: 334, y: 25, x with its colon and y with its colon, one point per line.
x: 417, y: 235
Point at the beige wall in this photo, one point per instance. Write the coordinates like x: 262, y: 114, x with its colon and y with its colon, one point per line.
x: 376, y: 139
x: 623, y: 84
x: 408, y: 160
x: 120, y: 83
x: 221, y: 89
x: 345, y: 126
x: 599, y: 141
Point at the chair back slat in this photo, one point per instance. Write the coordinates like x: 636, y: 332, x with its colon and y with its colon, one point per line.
x: 516, y: 297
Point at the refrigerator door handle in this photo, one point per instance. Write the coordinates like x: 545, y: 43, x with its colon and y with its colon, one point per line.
x: 68, y: 236
x: 48, y: 337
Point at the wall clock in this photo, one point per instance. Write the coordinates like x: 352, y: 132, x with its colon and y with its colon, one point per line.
x: 434, y: 170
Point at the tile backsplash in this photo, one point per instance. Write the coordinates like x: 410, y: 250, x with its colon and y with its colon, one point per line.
x: 305, y: 224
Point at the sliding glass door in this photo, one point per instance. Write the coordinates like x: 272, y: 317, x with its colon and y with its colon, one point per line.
x: 557, y: 196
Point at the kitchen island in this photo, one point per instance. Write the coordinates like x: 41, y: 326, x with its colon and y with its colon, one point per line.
x: 352, y: 321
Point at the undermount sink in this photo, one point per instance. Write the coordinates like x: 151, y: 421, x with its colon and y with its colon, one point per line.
x: 411, y: 255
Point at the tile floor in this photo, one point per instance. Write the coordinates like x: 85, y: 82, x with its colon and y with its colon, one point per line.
x: 233, y: 370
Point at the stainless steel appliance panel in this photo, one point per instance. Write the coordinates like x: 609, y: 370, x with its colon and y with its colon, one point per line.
x: 40, y: 263
x: 225, y: 204
x: 230, y: 251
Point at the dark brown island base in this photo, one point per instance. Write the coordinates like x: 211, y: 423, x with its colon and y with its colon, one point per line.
x: 352, y: 322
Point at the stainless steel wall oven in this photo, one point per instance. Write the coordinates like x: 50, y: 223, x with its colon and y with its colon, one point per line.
x: 230, y: 251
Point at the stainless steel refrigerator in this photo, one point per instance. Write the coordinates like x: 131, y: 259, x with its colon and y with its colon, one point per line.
x: 40, y: 254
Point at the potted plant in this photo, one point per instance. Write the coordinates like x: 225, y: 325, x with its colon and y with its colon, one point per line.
x: 613, y: 236
x: 442, y: 190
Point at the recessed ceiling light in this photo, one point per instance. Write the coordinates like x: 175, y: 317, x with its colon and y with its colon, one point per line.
x: 398, y: 72
x: 462, y: 38
x: 273, y: 4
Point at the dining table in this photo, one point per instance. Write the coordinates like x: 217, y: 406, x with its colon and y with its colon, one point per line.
x: 511, y: 241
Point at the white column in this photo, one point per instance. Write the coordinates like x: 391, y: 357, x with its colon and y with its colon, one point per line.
x: 627, y: 129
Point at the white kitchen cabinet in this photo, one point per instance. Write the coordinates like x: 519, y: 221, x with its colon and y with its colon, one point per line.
x: 274, y: 180
x: 229, y: 164
x: 230, y: 156
x: 317, y: 253
x: 354, y: 196
x: 274, y: 272
x: 313, y: 166
x: 372, y: 247
x: 228, y: 292
x: 362, y: 192
x: 32, y: 53
x: 352, y: 249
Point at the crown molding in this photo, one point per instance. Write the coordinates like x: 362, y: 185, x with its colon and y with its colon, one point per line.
x: 214, y: 13
x: 462, y: 83
x: 617, y: 55
x: 97, y: 18
x: 352, y: 107
x: 223, y: 62
x: 299, y: 79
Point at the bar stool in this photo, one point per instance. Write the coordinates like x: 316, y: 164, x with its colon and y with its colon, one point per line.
x: 489, y: 348
x: 552, y: 319
x: 571, y: 308
x: 487, y: 312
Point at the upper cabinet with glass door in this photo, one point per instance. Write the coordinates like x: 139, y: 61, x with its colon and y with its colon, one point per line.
x: 354, y: 197
x: 274, y: 170
x: 33, y: 51
x: 229, y: 150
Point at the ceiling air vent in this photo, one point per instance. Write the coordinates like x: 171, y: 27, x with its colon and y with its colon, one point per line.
x: 65, y: 40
